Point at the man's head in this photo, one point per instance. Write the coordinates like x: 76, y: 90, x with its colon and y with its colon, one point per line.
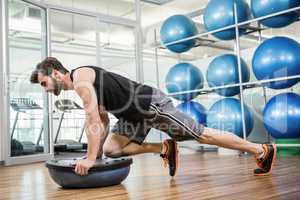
x: 50, y: 74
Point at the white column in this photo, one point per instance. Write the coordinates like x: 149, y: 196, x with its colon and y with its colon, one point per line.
x: 1, y: 88
x: 49, y: 102
x: 139, y: 43
x: 4, y: 103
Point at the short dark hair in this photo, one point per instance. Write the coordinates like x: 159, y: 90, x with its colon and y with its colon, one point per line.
x: 46, y: 68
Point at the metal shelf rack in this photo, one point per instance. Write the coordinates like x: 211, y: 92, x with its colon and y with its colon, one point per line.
x: 202, y: 38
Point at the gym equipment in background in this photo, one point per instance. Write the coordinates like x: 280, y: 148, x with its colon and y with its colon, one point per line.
x: 226, y: 115
x: 194, y: 110
x: 184, y: 77
x: 178, y: 27
x: 275, y: 58
x: 105, y: 172
x: 66, y: 105
x: 220, y: 13
x: 282, y: 116
x: 224, y: 70
x: 261, y: 8
x: 19, y: 148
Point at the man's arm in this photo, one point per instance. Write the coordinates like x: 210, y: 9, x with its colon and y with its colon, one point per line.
x: 105, y: 121
x: 95, y: 129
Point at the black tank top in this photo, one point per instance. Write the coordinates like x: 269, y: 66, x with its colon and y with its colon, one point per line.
x: 124, y: 98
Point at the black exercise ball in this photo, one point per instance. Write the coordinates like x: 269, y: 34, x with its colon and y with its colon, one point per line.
x: 106, y: 172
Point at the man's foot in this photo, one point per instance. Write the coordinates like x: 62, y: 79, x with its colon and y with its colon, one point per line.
x: 170, y: 155
x: 266, y: 162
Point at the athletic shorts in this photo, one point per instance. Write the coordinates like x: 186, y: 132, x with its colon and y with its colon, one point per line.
x: 163, y: 116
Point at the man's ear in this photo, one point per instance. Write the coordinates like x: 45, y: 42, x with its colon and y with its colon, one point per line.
x: 56, y: 74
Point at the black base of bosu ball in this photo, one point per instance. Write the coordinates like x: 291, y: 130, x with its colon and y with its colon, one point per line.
x: 106, y: 172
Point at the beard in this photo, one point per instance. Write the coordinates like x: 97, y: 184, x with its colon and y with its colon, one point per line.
x: 58, y: 87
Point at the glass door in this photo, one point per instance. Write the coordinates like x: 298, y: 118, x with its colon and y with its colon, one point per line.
x: 27, y: 104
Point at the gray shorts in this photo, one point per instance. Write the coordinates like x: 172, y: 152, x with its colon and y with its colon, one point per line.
x: 164, y: 117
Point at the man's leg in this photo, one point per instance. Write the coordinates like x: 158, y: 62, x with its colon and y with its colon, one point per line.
x: 265, y: 154
x: 128, y: 139
x: 230, y: 141
x: 119, y: 145
x: 180, y: 125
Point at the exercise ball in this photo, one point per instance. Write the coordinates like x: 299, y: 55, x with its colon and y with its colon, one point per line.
x: 266, y: 7
x: 220, y: 13
x: 194, y: 110
x: 226, y: 115
x: 105, y: 172
x: 223, y: 70
x: 176, y: 28
x: 184, y: 77
x: 277, y: 57
x: 282, y: 116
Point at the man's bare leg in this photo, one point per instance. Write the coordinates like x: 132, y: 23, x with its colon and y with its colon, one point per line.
x: 118, y: 145
x: 230, y: 141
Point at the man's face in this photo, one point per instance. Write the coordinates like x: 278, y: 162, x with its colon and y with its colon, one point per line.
x: 50, y: 84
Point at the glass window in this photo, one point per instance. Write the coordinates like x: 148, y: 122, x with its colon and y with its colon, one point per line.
x: 26, y: 48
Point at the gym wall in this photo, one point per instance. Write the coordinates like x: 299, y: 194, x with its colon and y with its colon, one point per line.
x: 1, y: 121
x: 1, y: 91
x: 2, y: 137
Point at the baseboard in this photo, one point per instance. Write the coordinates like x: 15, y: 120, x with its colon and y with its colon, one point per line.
x: 1, y: 162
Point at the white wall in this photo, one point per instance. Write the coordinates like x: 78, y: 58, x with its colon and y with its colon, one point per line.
x: 1, y: 90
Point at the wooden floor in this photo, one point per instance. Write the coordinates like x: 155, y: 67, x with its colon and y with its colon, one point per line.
x: 201, y: 176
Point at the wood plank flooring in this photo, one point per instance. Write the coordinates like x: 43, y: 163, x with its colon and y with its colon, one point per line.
x: 201, y: 176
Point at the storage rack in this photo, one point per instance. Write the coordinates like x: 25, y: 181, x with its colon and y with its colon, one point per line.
x: 202, y: 37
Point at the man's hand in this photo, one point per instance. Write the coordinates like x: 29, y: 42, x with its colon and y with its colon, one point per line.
x: 83, y: 166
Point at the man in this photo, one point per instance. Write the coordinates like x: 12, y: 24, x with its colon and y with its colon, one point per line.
x: 138, y: 108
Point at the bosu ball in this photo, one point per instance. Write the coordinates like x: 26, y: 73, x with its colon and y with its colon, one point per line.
x: 106, y: 172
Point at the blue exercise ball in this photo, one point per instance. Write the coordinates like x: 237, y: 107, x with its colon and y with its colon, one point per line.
x: 223, y: 70
x: 282, y: 116
x: 176, y: 28
x: 275, y: 58
x: 266, y: 7
x: 220, y: 13
x: 226, y: 115
x: 194, y: 110
x: 184, y: 77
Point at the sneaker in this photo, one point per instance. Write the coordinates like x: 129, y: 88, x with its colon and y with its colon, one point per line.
x: 171, y: 156
x: 266, y: 162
